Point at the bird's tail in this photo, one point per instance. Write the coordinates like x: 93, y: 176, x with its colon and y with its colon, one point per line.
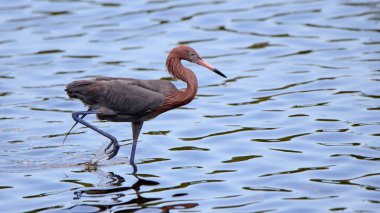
x: 78, y: 89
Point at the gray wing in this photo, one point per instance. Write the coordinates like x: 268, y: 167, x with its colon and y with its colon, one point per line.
x: 127, y: 97
x: 160, y: 86
x: 116, y: 96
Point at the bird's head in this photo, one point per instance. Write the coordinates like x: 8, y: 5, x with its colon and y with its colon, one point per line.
x: 189, y: 54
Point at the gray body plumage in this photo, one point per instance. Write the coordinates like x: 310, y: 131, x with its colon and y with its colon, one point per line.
x: 121, y: 99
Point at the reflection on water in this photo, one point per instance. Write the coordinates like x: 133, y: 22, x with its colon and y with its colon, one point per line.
x: 294, y: 128
x: 129, y: 198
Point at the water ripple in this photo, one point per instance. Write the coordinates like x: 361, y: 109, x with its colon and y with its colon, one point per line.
x: 294, y: 127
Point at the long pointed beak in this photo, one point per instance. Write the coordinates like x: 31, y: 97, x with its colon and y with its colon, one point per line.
x: 210, y: 67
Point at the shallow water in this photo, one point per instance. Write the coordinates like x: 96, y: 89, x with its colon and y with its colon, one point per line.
x: 294, y: 128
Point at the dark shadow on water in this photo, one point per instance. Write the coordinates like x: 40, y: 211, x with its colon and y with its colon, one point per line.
x: 118, y: 192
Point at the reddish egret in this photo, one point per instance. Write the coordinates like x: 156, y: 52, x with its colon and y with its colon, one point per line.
x: 135, y: 100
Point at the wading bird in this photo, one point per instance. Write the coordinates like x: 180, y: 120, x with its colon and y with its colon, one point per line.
x: 136, y: 100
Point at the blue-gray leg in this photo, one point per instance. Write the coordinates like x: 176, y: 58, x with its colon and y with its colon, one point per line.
x: 136, y: 128
x: 113, y: 144
x: 76, y: 122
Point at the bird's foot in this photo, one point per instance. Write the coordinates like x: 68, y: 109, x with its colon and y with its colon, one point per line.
x: 112, y: 149
x: 106, y: 151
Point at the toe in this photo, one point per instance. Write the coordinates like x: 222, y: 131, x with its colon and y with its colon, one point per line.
x: 112, y: 153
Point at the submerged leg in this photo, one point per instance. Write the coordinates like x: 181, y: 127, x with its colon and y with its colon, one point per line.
x: 114, y: 144
x: 136, y: 128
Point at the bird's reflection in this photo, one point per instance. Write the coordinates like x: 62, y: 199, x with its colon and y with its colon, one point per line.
x: 113, y: 186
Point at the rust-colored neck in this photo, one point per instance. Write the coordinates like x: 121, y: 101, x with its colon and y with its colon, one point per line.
x: 176, y: 69
x: 180, y: 97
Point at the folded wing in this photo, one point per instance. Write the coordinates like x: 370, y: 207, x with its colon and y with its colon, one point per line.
x: 120, y: 96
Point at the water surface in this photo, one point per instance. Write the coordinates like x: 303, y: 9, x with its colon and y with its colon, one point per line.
x: 294, y: 128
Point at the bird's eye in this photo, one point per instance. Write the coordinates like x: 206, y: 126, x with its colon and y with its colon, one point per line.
x: 191, y: 54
